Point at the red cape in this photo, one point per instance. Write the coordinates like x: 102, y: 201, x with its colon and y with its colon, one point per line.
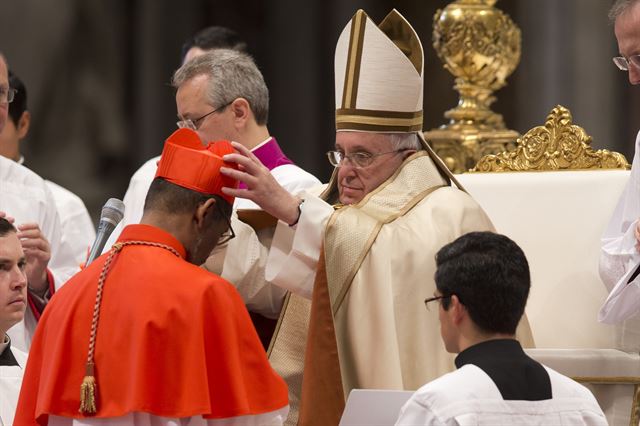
x: 173, y: 340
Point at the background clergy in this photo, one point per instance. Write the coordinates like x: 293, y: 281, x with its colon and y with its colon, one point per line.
x: 167, y: 341
x: 78, y: 232
x: 483, y: 282
x: 13, y: 302
x: 363, y: 249
x: 25, y: 197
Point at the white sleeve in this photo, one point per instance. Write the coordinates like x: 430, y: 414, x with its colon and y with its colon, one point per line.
x: 617, y: 255
x: 414, y: 413
x: 294, y: 254
x: 77, y: 227
x: 242, y: 262
x: 623, y: 301
x: 63, y: 263
x: 618, y: 241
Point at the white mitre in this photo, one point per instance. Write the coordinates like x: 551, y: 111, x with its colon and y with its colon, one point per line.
x: 379, y: 75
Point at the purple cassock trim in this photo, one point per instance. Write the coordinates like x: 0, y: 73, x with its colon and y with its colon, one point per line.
x: 270, y: 155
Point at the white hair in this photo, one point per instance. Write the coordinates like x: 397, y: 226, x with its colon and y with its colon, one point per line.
x: 400, y: 141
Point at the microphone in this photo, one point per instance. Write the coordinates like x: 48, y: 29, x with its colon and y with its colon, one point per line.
x: 112, y: 214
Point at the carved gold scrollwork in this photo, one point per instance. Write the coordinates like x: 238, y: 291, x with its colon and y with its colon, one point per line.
x: 558, y: 145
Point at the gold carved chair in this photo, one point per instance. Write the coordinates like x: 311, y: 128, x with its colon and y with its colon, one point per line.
x: 554, y: 196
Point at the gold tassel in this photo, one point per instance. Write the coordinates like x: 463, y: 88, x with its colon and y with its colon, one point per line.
x: 88, y: 391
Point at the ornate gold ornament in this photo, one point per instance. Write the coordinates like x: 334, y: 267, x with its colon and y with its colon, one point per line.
x: 558, y: 145
x: 480, y: 46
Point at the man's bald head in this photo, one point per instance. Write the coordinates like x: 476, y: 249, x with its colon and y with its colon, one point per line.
x: 4, y: 87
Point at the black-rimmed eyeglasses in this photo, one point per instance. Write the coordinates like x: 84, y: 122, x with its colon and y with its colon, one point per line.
x: 228, y: 234
x: 433, y: 299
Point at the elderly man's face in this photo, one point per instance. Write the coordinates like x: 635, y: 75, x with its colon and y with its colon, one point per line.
x: 13, y: 282
x: 192, y: 104
x: 4, y: 85
x: 627, y: 29
x: 356, y: 182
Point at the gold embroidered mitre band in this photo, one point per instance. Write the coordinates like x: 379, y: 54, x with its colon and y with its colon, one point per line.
x: 379, y: 75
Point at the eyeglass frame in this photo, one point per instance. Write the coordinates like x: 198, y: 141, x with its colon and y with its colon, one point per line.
x: 370, y: 157
x: 434, y: 298
x: 623, y: 63
x: 10, y: 94
x: 223, y: 239
x: 192, y: 123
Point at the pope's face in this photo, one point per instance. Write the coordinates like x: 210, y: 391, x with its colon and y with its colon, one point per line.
x: 192, y: 103
x: 356, y: 182
x: 4, y: 85
x: 13, y: 282
x: 627, y: 29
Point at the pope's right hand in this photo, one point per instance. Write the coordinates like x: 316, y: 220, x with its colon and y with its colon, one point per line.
x: 262, y: 187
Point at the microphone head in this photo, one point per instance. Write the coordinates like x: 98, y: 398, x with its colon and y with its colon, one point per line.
x: 113, y: 211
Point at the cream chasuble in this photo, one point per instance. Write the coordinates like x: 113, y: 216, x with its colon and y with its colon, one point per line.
x: 378, y: 268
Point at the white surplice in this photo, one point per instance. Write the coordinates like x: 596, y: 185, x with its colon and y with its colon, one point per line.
x: 10, y: 382
x: 274, y: 418
x: 25, y: 197
x: 468, y: 396
x: 78, y: 231
x: 619, y: 256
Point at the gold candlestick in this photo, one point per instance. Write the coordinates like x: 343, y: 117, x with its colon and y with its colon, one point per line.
x: 480, y: 46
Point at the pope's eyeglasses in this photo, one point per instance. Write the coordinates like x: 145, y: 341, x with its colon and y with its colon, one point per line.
x: 357, y: 159
x: 623, y: 63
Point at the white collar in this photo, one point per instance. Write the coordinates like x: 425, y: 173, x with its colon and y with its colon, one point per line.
x: 5, y: 343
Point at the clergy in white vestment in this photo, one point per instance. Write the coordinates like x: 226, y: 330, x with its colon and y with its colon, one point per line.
x: 78, y: 231
x: 363, y: 250
x: 13, y: 302
x: 221, y: 94
x: 620, y: 255
x: 25, y: 197
x: 208, y: 38
x: 482, y: 285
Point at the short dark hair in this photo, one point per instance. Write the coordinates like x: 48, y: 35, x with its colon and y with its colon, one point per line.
x: 6, y: 227
x: 19, y: 104
x: 171, y: 198
x: 490, y: 275
x: 214, y: 37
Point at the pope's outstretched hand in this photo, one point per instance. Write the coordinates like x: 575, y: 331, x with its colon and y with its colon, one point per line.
x: 262, y: 188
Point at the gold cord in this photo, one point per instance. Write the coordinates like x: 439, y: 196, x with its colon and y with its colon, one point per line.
x: 89, y: 387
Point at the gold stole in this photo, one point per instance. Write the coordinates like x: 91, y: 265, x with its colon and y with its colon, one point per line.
x: 322, y: 401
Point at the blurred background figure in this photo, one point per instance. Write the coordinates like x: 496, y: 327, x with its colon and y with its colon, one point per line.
x: 78, y: 231
x: 214, y: 37
x: 26, y: 200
